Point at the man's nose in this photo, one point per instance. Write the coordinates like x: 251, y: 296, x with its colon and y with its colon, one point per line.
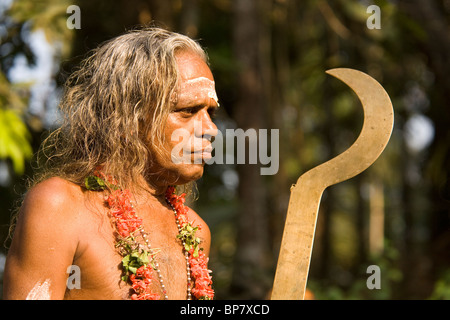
x: 207, y: 129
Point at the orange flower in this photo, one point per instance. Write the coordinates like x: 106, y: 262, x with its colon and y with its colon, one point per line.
x: 140, y: 283
x: 123, y: 213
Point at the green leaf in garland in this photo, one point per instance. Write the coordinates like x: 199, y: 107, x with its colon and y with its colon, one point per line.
x: 126, y: 260
x: 135, y: 260
x: 132, y: 269
x: 143, y: 258
x: 195, y: 254
x: 94, y: 183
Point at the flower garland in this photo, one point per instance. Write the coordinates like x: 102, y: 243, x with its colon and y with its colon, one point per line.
x: 197, y: 259
x: 139, y: 260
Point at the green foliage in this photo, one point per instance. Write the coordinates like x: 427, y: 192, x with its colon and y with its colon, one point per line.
x: 442, y: 287
x: 14, y: 140
x: 47, y: 15
x: 133, y: 261
x: 134, y: 256
x: 14, y: 135
x: 94, y: 183
x: 357, y: 289
x: 187, y: 235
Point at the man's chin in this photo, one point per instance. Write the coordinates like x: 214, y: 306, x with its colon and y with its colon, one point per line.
x: 175, y: 174
x: 186, y: 173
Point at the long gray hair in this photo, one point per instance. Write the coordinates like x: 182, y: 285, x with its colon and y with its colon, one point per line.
x: 116, y: 105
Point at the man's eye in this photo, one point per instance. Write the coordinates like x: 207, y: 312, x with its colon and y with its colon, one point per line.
x: 189, y: 110
x: 192, y: 110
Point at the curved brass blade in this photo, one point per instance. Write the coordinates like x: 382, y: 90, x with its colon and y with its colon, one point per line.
x: 298, y: 236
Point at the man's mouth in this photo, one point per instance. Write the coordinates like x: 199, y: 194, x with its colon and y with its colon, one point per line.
x: 205, y: 153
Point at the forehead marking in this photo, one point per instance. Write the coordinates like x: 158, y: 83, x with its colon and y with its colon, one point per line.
x: 200, y: 79
x: 208, y: 86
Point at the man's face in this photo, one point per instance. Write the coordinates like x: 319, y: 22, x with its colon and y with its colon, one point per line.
x: 189, y: 127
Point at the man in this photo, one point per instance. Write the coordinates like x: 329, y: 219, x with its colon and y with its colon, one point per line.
x: 100, y: 210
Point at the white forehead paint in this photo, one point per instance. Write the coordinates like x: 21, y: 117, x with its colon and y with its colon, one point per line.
x: 41, y: 291
x: 200, y: 79
x: 213, y: 95
x: 204, y: 85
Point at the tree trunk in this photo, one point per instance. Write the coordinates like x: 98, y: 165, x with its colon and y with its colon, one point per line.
x: 435, y: 46
x: 250, y: 266
x: 190, y: 18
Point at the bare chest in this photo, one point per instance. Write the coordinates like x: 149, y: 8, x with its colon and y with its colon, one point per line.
x: 100, y: 263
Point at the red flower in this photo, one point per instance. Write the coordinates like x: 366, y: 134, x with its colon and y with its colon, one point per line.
x: 126, y: 222
x: 123, y: 213
x: 201, y: 274
x: 140, y: 283
x: 198, y: 265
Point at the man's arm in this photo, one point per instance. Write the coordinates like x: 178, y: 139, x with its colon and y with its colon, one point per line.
x: 44, y: 243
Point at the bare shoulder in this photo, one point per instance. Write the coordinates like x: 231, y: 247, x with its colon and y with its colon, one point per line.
x: 45, y: 238
x: 54, y: 191
x: 49, y: 202
x: 197, y: 220
x: 204, y: 232
x: 53, y: 202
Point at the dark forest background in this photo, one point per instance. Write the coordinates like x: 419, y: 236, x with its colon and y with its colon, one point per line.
x: 269, y: 59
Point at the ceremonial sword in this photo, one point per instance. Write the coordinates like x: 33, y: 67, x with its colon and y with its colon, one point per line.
x: 298, y: 236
